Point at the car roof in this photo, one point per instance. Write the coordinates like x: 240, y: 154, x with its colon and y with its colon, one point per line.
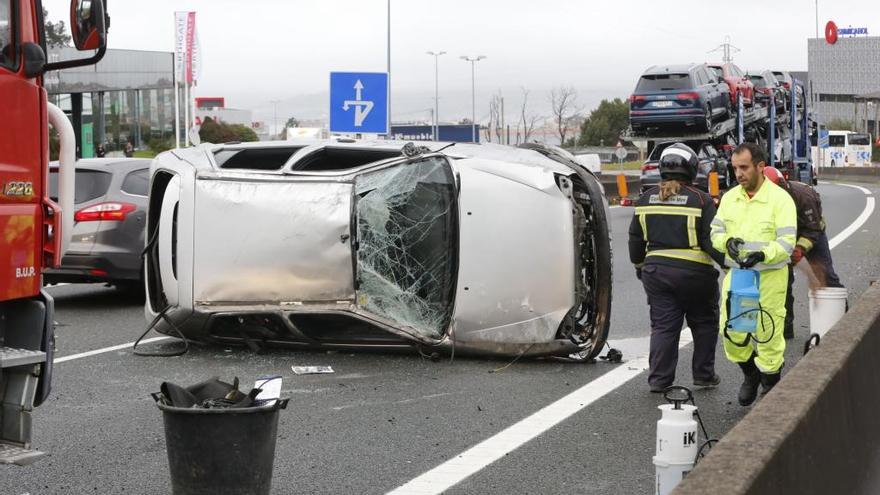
x: 674, y: 69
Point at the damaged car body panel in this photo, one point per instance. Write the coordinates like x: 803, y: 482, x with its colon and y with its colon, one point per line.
x: 482, y: 248
x: 242, y: 224
x: 499, y: 304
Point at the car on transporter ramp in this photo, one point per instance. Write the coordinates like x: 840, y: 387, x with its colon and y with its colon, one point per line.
x: 480, y: 249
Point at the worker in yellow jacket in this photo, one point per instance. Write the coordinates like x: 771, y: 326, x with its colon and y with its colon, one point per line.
x: 756, y: 225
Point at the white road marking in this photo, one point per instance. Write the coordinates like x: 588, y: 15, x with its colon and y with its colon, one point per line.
x: 479, y: 456
x: 105, y: 350
x: 860, y: 188
x: 483, y: 454
x: 859, y: 221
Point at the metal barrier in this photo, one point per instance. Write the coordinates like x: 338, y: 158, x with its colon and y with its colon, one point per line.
x: 817, y: 431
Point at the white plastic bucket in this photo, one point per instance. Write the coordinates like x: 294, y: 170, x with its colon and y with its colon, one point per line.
x: 669, y: 474
x: 827, y: 305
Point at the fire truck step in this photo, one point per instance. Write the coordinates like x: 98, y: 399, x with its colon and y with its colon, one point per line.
x: 13, y: 454
x: 10, y: 356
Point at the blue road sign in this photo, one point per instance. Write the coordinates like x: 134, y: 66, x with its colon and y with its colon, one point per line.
x: 359, y: 102
x: 823, y: 138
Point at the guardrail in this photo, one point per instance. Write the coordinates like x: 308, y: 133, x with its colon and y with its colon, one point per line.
x: 818, y: 431
x: 871, y: 174
x: 609, y: 184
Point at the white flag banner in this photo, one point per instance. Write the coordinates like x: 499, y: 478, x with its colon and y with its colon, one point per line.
x: 191, y: 42
x: 180, y: 21
x: 196, y: 54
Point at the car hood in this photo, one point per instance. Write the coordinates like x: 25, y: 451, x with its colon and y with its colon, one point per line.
x: 516, y: 262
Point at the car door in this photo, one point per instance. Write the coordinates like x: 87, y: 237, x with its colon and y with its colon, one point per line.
x: 724, y: 98
x: 707, y: 89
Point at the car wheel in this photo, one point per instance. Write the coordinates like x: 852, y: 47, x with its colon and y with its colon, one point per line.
x: 593, y: 316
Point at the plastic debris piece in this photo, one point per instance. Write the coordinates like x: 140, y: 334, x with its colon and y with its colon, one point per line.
x: 270, y: 389
x: 312, y: 370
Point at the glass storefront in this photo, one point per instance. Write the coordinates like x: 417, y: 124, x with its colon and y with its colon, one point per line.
x: 128, y: 97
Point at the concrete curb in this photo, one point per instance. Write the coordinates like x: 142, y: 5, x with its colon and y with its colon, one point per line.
x: 817, y: 432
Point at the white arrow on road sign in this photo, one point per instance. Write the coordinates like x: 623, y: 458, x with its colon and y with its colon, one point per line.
x: 361, y: 107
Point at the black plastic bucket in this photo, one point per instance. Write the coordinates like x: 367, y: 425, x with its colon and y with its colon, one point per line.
x: 221, y: 451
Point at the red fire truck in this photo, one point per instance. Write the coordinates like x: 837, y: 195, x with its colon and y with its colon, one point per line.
x: 32, y: 226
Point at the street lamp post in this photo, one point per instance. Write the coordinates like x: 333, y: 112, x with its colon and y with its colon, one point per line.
x: 436, y: 55
x: 473, y: 61
x: 274, y: 119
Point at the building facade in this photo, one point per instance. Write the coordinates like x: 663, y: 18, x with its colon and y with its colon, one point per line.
x: 128, y: 97
x: 844, y: 76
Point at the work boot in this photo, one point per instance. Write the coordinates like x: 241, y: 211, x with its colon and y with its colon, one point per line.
x: 748, y: 391
x: 768, y: 381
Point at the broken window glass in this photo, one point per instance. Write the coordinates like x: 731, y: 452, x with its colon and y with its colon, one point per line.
x: 407, y: 242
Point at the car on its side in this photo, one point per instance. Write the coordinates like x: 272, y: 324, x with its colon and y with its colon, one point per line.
x: 678, y: 96
x: 710, y: 161
x: 766, y: 86
x: 107, y: 239
x: 736, y: 80
x: 483, y: 249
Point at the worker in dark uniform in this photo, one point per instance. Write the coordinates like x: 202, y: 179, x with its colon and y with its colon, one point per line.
x: 812, y: 242
x: 670, y: 247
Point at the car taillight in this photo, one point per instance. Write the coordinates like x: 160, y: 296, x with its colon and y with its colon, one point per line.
x: 688, y: 96
x: 104, y: 211
x: 635, y: 98
x: 649, y: 166
x: 787, y: 85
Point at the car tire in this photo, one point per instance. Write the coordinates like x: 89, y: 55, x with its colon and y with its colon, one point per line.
x: 600, y: 278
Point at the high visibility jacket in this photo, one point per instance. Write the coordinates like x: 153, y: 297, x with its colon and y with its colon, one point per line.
x: 810, y: 223
x: 767, y: 222
x: 674, y: 231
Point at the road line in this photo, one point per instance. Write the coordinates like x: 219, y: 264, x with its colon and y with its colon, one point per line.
x: 859, y: 221
x: 479, y: 456
x: 105, y: 350
x: 473, y: 460
x: 860, y: 188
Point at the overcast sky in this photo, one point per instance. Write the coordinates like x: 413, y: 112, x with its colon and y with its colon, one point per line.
x: 256, y: 51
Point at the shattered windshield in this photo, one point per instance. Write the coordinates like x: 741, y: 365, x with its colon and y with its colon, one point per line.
x: 407, y: 243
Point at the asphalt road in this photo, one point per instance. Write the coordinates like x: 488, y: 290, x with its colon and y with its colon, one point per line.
x: 384, y: 419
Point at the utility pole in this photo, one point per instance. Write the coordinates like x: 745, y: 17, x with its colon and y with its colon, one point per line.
x: 436, y: 55
x: 389, y: 68
x: 274, y: 119
x: 473, y: 61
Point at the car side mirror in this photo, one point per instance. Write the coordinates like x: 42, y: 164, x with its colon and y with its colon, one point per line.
x: 88, y: 30
x: 88, y: 26
x: 34, y: 59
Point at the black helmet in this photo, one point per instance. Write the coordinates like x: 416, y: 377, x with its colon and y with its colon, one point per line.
x: 678, y: 162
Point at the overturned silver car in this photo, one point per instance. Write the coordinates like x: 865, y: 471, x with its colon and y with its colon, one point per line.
x: 481, y: 249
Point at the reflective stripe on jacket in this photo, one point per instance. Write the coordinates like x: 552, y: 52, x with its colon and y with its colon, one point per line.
x: 808, y: 204
x: 674, y: 231
x: 766, y: 222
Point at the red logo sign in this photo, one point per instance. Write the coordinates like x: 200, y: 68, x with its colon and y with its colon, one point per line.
x: 831, y: 32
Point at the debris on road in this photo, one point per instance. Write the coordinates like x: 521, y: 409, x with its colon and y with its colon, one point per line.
x: 312, y: 370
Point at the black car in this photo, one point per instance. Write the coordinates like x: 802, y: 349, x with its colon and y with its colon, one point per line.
x: 679, y: 96
x: 710, y: 161
x: 110, y: 201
